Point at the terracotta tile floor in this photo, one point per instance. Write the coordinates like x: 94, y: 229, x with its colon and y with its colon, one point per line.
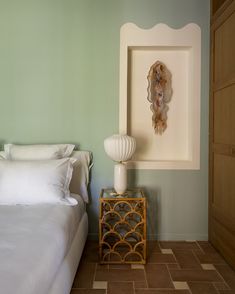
x: 172, y: 268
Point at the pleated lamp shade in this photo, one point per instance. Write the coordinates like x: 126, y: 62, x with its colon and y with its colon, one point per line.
x: 120, y: 148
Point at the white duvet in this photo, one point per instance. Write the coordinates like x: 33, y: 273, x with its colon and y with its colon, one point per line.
x: 34, y: 240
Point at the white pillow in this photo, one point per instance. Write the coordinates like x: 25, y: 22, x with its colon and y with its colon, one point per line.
x: 37, y: 152
x: 33, y: 182
x: 2, y: 155
x: 80, y: 178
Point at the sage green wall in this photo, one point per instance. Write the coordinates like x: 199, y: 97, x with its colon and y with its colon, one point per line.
x: 59, y: 80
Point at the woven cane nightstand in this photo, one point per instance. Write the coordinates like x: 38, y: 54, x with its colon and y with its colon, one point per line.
x: 122, y: 227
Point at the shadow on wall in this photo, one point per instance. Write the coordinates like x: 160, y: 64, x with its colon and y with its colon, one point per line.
x: 153, y: 213
x: 2, y: 142
x: 153, y: 196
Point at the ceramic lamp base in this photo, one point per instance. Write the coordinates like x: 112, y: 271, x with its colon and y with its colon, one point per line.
x: 120, y: 178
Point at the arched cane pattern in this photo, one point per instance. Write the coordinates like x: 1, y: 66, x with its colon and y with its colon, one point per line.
x: 123, y: 230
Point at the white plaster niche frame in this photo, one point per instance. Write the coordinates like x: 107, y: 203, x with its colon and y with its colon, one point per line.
x: 180, y: 50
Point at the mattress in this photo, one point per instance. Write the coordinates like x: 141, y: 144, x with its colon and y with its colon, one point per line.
x: 34, y: 241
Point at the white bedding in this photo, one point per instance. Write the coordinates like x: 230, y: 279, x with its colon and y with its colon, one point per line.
x: 33, y: 243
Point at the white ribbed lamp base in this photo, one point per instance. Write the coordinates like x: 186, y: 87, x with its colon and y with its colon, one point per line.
x: 120, y: 178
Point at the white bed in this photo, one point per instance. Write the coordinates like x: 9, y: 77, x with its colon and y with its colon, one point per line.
x: 41, y: 245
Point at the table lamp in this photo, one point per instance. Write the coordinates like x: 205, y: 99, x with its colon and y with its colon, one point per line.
x: 120, y: 148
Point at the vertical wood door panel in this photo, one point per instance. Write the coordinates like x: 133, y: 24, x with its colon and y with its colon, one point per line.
x: 224, y: 116
x: 220, y: 238
x: 224, y: 188
x: 222, y: 133
x: 224, y: 60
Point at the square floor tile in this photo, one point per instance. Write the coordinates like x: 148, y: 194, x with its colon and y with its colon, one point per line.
x: 208, y: 266
x: 100, y: 285
x: 137, y: 266
x: 181, y: 285
x: 167, y: 251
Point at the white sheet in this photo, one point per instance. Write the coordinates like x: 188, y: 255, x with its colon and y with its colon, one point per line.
x: 33, y: 243
x: 65, y: 276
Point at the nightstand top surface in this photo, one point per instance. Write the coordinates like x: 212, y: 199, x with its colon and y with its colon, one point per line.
x: 130, y: 193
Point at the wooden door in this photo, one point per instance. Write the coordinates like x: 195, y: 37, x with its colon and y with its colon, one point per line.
x: 222, y: 130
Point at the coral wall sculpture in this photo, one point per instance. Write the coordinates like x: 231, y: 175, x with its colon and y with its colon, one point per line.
x: 159, y: 95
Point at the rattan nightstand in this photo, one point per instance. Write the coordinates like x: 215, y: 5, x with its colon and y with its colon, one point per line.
x: 122, y: 227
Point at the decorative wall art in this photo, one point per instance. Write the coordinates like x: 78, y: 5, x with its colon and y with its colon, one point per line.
x: 159, y: 95
x: 160, y: 68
